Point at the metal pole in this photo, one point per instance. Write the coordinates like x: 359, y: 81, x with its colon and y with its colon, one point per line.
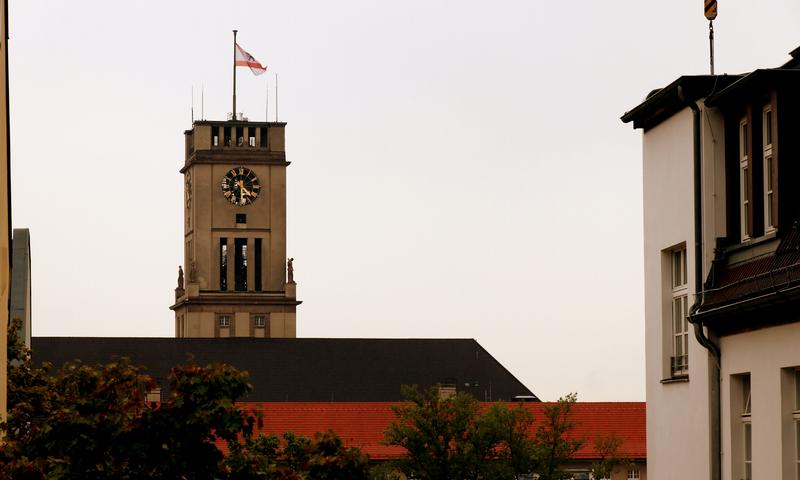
x: 234, y: 75
x: 276, y: 97
x: 266, y: 109
x: 711, y: 43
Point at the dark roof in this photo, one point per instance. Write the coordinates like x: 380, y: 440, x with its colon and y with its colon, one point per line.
x: 308, y: 369
x: 769, y: 281
x: 795, y: 61
x: 755, y: 81
x: 662, y: 103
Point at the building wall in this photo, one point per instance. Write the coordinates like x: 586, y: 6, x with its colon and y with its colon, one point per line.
x: 769, y: 356
x: 21, y: 283
x: 5, y: 207
x: 209, y: 217
x: 580, y: 470
x: 678, y: 440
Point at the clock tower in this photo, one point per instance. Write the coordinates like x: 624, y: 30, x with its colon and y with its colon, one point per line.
x: 237, y: 280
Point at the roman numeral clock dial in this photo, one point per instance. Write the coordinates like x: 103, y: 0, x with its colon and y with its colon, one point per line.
x: 240, y: 186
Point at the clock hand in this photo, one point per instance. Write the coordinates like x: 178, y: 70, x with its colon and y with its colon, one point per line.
x: 244, y: 189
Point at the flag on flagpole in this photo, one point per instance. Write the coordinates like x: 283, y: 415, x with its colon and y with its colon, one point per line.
x: 244, y: 59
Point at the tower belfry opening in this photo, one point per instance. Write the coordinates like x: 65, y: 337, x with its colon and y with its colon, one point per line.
x: 236, y: 283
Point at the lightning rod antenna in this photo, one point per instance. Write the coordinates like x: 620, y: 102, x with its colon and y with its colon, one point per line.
x: 711, y: 14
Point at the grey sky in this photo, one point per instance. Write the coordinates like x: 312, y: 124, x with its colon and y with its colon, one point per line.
x: 458, y: 168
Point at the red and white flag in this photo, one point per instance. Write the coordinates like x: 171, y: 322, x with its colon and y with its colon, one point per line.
x: 244, y: 59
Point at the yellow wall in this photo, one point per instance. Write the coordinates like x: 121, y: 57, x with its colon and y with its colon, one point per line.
x: 5, y: 231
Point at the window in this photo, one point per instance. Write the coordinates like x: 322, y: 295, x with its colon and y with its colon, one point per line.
x: 239, y: 136
x: 679, y: 361
x: 241, y: 218
x: 258, y: 265
x: 224, y: 321
x: 227, y: 135
x: 796, y: 418
x: 153, y: 395
x: 747, y: 429
x: 251, y: 136
x: 633, y: 474
x: 223, y: 264
x: 214, y: 136
x: 240, y: 264
x: 263, y: 140
x: 744, y: 180
x: 769, y: 172
x: 260, y: 321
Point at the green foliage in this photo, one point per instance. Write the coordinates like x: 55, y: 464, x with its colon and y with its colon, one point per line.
x: 607, y: 449
x: 93, y: 423
x: 438, y: 434
x: 324, y: 458
x: 554, y: 445
x: 452, y: 437
x: 515, y: 449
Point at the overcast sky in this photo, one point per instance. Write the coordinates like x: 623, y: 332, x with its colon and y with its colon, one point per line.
x: 458, y: 168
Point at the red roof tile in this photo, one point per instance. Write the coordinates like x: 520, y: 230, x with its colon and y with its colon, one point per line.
x: 361, y: 424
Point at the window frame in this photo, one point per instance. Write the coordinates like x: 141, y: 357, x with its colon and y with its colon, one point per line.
x: 227, y: 320
x: 767, y: 141
x: 223, y: 264
x: 744, y: 180
x: 796, y: 421
x: 261, y: 316
x: 747, y: 427
x: 679, y: 304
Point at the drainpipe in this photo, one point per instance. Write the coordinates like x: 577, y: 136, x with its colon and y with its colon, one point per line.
x: 699, y: 333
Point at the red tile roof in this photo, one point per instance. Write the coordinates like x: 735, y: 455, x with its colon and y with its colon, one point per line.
x: 361, y: 424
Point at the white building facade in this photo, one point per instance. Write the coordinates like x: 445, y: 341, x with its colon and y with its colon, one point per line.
x: 721, y: 168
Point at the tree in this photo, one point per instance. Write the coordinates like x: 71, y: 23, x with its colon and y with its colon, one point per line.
x: 447, y: 438
x: 516, y: 449
x: 607, y: 449
x: 93, y: 423
x: 436, y: 433
x: 554, y: 443
x: 324, y: 457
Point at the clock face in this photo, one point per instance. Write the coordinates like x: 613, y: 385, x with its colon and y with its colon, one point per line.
x: 240, y: 186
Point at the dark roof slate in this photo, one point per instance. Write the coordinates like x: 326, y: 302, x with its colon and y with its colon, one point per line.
x: 772, y: 279
x: 308, y: 369
x: 662, y: 103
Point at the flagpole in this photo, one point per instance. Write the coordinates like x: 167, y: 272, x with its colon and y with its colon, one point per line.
x: 276, y: 97
x: 234, y: 75
x: 266, y: 109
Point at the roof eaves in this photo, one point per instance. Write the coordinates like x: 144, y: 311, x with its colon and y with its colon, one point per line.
x: 795, y: 61
x: 664, y: 103
x: 751, y: 80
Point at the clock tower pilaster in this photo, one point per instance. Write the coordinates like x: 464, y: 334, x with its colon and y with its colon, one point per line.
x: 234, y: 279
